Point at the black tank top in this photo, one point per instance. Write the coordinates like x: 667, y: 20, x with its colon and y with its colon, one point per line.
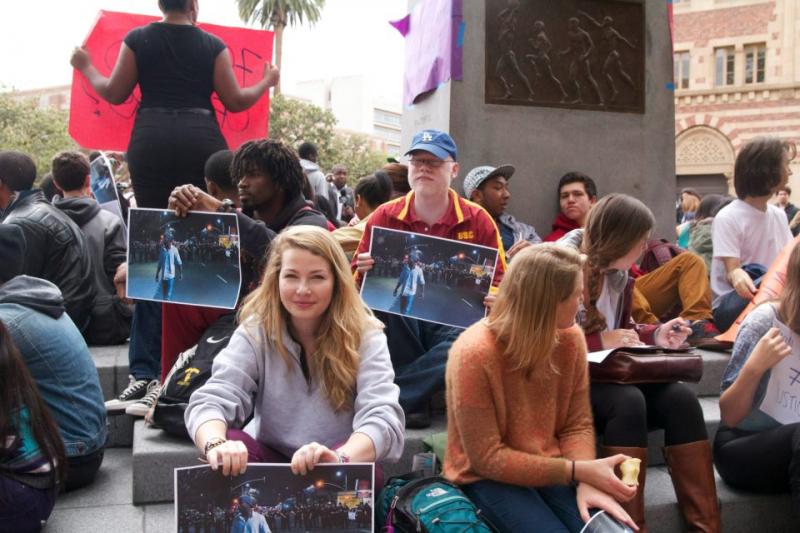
x: 175, y: 64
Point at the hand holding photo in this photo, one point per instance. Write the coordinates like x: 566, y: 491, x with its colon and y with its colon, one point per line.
x: 428, y: 278
x: 191, y: 260
x: 269, y: 497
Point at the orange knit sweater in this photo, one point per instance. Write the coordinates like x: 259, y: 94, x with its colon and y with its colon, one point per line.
x: 506, y: 428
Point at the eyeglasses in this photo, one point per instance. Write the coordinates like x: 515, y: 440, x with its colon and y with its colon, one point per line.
x: 417, y: 162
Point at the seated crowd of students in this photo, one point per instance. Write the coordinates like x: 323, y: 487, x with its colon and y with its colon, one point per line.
x: 327, y: 380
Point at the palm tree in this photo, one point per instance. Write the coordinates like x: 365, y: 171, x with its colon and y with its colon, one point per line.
x: 277, y: 14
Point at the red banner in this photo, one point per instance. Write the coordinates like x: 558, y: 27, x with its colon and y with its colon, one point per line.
x: 96, y: 124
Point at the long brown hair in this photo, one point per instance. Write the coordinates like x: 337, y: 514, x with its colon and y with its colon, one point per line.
x: 523, y: 318
x: 789, y: 311
x: 18, y: 390
x: 614, y: 225
x: 335, y: 363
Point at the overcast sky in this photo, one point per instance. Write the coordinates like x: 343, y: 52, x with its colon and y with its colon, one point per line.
x: 353, y: 37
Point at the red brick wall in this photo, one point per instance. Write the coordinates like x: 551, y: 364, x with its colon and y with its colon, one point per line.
x: 700, y: 26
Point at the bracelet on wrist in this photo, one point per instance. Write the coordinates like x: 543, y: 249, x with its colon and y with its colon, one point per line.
x: 213, y: 443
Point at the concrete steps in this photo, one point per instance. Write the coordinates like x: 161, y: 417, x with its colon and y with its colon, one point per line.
x: 148, y: 480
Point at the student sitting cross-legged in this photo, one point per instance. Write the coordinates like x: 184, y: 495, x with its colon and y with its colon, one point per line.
x: 520, y: 436
x: 752, y: 451
x: 309, y: 361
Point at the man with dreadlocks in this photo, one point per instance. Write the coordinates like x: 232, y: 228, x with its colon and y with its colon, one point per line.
x: 269, y: 180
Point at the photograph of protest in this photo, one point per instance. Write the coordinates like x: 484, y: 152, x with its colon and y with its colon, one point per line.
x: 429, y: 278
x: 104, y: 189
x: 192, y: 260
x: 270, y: 498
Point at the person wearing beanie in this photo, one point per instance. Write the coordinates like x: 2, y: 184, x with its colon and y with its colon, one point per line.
x: 488, y: 187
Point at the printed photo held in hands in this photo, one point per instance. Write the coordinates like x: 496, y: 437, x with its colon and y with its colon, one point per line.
x: 190, y: 260
x: 270, y: 497
x: 429, y: 278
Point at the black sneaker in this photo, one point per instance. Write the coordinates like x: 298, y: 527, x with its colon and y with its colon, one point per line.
x: 141, y: 407
x: 136, y: 390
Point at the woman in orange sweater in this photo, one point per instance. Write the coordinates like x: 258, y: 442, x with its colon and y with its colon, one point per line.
x: 520, y: 436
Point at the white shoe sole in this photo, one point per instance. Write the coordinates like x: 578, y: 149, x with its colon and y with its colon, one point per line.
x: 115, y: 406
x: 137, y: 409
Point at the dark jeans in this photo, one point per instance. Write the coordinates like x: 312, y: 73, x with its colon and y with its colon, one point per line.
x: 512, y: 508
x: 731, y: 305
x: 418, y: 351
x: 168, y: 149
x: 623, y: 414
x: 763, y: 461
x: 23, y: 508
x: 144, y: 352
x: 82, y: 470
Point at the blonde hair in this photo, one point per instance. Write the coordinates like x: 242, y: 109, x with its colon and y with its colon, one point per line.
x: 789, y: 311
x: 690, y: 203
x: 614, y: 225
x: 523, y: 318
x: 335, y: 363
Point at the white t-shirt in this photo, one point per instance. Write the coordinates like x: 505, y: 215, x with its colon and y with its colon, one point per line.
x: 173, y: 257
x: 754, y: 236
x: 414, y: 277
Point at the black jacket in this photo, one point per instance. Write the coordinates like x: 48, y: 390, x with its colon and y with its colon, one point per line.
x: 257, y: 236
x: 105, y: 237
x: 56, y: 251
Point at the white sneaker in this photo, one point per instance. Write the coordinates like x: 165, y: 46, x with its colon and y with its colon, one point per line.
x: 141, y: 407
x: 136, y: 390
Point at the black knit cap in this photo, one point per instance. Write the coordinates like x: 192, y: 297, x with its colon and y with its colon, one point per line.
x: 12, y: 250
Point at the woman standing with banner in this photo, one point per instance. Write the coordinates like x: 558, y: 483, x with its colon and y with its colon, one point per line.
x: 177, y: 67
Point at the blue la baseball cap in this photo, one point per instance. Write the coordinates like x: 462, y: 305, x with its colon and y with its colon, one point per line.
x: 436, y: 142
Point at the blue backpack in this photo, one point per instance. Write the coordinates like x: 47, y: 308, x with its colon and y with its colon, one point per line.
x: 417, y: 504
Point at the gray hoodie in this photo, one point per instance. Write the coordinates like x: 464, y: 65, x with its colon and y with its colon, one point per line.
x: 33, y: 293
x: 250, y: 376
x: 315, y: 177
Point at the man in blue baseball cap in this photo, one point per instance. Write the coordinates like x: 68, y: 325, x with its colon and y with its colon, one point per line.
x: 419, y: 349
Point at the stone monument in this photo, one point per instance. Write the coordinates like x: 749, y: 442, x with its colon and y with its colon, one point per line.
x: 553, y: 86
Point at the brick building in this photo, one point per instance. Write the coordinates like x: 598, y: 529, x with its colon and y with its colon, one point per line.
x: 737, y: 76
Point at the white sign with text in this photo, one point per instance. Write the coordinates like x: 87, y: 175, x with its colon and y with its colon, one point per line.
x: 782, y: 399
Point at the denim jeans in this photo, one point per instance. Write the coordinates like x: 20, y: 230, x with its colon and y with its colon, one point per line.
x: 166, y: 288
x: 144, y: 352
x: 731, y: 305
x: 512, y: 508
x: 406, y: 303
x: 418, y: 350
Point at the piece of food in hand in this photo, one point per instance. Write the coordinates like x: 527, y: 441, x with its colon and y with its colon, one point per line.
x: 630, y: 471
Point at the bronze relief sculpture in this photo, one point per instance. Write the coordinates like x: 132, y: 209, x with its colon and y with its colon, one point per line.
x: 581, y: 54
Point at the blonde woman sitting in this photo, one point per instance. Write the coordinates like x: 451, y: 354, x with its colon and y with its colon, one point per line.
x: 520, y: 436
x: 309, y: 362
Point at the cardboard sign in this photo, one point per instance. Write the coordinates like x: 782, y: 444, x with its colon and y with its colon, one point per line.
x: 782, y: 399
x: 94, y: 123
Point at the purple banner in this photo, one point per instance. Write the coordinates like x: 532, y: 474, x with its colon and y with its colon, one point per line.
x: 434, y: 34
